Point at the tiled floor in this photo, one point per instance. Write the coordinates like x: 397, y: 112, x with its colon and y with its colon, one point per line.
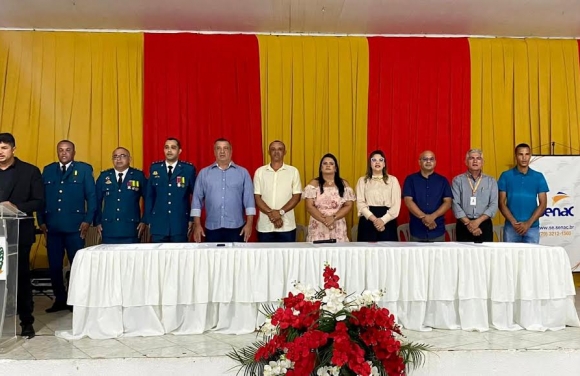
x: 46, y: 346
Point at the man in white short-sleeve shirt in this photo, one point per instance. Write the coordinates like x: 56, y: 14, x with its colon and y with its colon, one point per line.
x: 277, y: 191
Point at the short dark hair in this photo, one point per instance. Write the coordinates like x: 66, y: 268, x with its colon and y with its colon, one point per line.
x: 273, y: 142
x: 221, y: 139
x: 521, y: 146
x: 66, y: 142
x: 7, y: 138
x: 176, y: 141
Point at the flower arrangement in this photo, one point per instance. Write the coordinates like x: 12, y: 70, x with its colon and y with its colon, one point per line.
x: 329, y: 333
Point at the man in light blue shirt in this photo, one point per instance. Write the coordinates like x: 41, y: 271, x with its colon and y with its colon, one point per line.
x: 227, y: 192
x: 522, y: 199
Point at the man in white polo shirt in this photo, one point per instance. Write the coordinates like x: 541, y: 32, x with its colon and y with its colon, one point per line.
x: 277, y: 190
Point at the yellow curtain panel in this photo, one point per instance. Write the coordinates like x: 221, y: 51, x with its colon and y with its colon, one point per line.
x: 315, y: 99
x: 86, y: 87
x: 524, y: 90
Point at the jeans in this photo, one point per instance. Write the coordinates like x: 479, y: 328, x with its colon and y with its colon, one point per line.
x: 511, y: 236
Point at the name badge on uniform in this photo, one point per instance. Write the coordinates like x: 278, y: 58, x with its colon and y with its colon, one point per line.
x: 473, y: 201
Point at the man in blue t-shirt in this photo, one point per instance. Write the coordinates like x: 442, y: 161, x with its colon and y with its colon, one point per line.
x: 522, y: 199
x: 428, y: 196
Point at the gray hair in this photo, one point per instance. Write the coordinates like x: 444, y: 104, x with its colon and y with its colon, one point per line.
x: 473, y: 151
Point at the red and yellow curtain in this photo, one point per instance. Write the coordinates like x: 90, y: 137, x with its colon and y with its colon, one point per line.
x: 344, y: 95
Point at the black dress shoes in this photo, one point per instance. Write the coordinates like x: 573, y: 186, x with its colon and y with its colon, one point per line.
x: 28, y: 331
x: 58, y: 306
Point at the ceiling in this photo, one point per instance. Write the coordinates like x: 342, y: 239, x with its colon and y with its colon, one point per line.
x: 517, y: 18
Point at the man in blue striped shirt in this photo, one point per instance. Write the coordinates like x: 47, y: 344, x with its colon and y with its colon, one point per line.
x: 227, y: 192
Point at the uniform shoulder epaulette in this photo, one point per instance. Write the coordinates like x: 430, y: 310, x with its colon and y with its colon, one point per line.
x: 186, y: 162
x: 137, y: 169
x: 157, y: 162
x: 81, y: 163
x: 107, y: 170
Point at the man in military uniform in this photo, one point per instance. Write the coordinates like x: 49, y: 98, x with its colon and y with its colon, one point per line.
x: 119, y: 192
x: 168, y: 196
x: 69, y: 211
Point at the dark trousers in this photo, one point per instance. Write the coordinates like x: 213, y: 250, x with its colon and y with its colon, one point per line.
x: 463, y: 235
x: 112, y: 240
x: 224, y: 235
x: 56, y: 243
x: 277, y: 237
x: 24, y: 304
x: 368, y: 233
x: 168, y: 239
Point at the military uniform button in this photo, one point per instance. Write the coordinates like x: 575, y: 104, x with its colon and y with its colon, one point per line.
x: 60, y: 191
x: 170, y: 185
x: 169, y: 203
x: 59, y: 200
x: 169, y: 194
x: 117, y: 219
x: 169, y: 212
x: 118, y: 209
x: 118, y: 199
x: 58, y: 209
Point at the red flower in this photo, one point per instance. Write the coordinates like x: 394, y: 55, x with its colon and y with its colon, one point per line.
x: 372, y: 326
x: 277, y: 343
x: 330, y: 279
x: 301, y: 351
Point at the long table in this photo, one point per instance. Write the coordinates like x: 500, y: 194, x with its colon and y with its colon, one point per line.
x: 153, y: 289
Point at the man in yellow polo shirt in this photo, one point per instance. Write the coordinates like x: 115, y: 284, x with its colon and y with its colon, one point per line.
x: 277, y: 191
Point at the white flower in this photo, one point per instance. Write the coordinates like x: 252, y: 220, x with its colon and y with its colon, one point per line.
x: 307, y: 290
x: 370, y: 297
x: 328, y: 371
x: 278, y: 368
x: 374, y: 369
x: 333, y: 300
x: 267, y: 328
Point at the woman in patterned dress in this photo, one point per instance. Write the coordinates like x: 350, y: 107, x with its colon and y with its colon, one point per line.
x: 328, y: 200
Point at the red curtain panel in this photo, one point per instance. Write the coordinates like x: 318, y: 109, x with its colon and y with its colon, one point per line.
x: 419, y: 99
x: 198, y: 88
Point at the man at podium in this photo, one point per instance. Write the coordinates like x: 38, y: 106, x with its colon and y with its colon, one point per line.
x: 21, y: 188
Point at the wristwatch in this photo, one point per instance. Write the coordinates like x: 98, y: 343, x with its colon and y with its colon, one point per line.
x: 282, y: 212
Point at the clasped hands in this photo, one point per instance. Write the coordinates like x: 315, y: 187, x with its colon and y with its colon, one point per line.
x: 378, y: 223
x: 473, y: 227
x: 276, y: 218
x: 521, y: 227
x: 429, y: 221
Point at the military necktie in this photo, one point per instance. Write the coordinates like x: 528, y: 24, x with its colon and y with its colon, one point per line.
x: 170, y: 172
x: 120, y: 180
x: 63, y: 168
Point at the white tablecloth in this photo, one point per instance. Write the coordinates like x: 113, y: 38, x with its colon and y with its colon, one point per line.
x: 153, y: 289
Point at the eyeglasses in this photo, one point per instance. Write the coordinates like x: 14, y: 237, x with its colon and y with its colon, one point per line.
x: 120, y: 156
x: 431, y: 159
x: 377, y: 159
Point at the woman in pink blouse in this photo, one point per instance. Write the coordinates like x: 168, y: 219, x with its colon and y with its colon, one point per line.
x: 378, y: 201
x: 328, y: 201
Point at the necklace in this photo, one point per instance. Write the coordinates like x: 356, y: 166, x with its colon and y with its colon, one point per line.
x: 329, y: 182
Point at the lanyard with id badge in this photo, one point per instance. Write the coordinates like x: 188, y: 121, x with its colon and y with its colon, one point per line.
x: 473, y: 200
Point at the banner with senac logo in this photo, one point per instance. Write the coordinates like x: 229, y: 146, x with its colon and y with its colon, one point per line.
x: 560, y: 224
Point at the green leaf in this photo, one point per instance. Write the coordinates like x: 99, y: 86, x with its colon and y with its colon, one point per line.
x: 414, y: 354
x: 245, y: 357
